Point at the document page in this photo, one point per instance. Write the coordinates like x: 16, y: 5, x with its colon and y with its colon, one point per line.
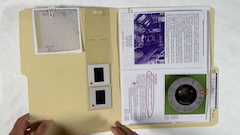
x: 163, y: 40
x: 164, y: 66
x: 143, y: 97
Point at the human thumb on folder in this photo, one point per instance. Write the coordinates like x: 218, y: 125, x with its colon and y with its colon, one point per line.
x: 120, y: 129
x: 22, y: 125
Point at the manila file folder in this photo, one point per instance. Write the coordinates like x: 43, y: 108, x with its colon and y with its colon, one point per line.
x: 58, y: 87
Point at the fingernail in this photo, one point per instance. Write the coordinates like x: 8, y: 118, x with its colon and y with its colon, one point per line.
x: 112, y: 128
x: 118, y: 123
x: 47, y: 123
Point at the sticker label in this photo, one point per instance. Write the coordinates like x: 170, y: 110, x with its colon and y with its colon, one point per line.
x: 214, y: 91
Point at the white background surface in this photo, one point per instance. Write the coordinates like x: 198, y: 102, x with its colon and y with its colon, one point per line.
x: 13, y: 86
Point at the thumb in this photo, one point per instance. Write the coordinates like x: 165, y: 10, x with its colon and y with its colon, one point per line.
x: 43, y: 128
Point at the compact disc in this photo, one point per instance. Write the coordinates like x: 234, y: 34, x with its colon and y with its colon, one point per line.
x: 183, y: 95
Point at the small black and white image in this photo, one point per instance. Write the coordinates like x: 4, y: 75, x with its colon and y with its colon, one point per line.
x: 149, y: 38
x: 98, y: 74
x: 100, y: 97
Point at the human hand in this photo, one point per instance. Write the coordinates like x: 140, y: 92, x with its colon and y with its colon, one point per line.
x: 22, y: 124
x: 120, y: 129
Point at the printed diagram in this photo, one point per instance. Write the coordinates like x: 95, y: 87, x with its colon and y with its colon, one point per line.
x: 149, y: 38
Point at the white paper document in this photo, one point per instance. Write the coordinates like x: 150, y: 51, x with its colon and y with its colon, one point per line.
x: 56, y: 30
x: 164, y: 66
x: 174, y: 39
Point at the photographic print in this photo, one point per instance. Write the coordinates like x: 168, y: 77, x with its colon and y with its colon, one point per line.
x: 182, y: 94
x: 149, y: 38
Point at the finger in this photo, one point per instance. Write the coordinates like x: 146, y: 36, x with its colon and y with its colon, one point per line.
x: 27, y: 133
x: 116, y: 131
x: 124, y: 129
x: 134, y: 133
x: 34, y: 126
x: 20, y: 126
x: 43, y: 128
x: 130, y: 130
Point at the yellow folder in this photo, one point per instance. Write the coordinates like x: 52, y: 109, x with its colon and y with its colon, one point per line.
x: 57, y: 83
